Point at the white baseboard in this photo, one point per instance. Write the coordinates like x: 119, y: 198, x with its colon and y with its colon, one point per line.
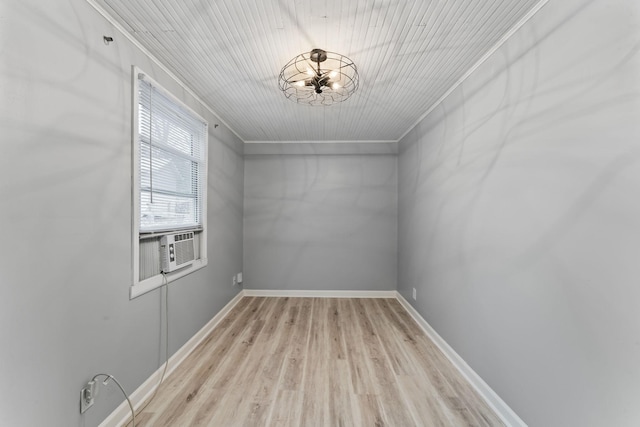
x: 122, y: 413
x: 318, y: 294
x: 498, y: 405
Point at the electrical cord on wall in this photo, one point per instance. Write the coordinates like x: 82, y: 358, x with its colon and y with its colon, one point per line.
x: 165, y: 285
x: 106, y: 381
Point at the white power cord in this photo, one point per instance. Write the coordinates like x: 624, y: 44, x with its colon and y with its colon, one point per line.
x: 165, y: 284
x: 106, y: 381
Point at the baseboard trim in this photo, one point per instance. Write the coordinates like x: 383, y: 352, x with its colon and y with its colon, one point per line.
x: 498, y: 405
x: 122, y: 413
x: 318, y: 294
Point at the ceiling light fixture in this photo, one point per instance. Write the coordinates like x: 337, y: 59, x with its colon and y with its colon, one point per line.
x: 319, y: 78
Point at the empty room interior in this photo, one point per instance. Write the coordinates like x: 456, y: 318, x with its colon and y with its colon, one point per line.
x: 367, y: 213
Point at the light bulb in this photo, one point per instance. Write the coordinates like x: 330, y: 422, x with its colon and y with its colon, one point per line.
x: 335, y: 86
x: 299, y: 83
x: 333, y: 73
x: 310, y: 72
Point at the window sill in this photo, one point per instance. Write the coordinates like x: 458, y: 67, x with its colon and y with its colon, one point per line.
x: 155, y: 282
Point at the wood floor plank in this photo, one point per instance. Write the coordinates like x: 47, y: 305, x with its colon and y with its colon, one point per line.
x: 317, y: 362
x: 339, y: 397
x: 393, y: 345
x: 336, y: 325
x: 370, y: 411
x: 300, y: 319
x: 315, y: 386
x: 286, y: 409
x: 357, y: 356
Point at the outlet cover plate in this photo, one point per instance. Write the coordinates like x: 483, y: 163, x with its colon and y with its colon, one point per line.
x: 87, y: 397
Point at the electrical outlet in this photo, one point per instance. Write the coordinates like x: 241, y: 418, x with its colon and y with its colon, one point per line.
x: 414, y: 294
x: 235, y: 280
x: 87, y: 396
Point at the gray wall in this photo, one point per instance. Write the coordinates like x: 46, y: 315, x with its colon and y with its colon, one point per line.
x: 519, y: 217
x: 65, y: 186
x: 317, y: 220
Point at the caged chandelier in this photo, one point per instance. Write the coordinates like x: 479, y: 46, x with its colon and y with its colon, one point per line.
x: 319, y: 78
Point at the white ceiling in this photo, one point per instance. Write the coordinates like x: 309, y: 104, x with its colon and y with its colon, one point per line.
x: 409, y: 53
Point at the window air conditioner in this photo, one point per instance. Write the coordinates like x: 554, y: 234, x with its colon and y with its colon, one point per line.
x: 176, y: 251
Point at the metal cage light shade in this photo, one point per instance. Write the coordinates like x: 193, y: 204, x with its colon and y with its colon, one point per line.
x: 319, y: 78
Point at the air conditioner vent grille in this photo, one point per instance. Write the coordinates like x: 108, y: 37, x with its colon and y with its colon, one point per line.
x: 177, y: 251
x: 184, y: 251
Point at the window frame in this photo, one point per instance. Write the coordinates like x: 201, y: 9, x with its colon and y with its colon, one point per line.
x: 139, y: 287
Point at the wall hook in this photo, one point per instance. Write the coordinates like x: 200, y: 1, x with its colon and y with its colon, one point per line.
x: 107, y: 40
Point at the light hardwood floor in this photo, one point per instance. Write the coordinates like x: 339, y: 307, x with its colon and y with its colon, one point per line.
x: 317, y: 362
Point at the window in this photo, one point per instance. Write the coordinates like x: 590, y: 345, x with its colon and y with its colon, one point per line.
x: 170, y: 175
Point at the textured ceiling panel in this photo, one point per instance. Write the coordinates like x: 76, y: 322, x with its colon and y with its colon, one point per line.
x: 409, y: 53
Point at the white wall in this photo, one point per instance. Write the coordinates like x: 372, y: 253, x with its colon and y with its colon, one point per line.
x: 65, y: 186
x: 519, y: 217
x: 320, y: 217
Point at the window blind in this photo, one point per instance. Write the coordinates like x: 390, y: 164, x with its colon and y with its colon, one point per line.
x: 172, y: 162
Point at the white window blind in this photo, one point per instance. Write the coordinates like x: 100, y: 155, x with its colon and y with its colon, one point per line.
x: 172, y: 143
